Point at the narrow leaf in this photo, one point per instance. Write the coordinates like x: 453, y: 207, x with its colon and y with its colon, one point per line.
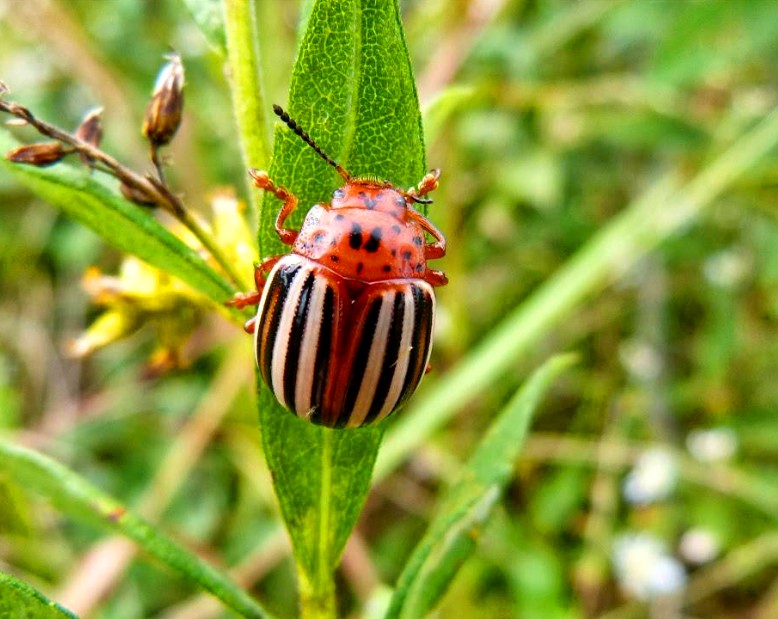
x: 452, y: 535
x: 18, y: 599
x: 75, y: 495
x: 353, y: 92
x: 126, y: 226
x: 352, y: 89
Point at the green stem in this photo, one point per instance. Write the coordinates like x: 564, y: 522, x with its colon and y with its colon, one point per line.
x: 658, y: 214
x: 248, y: 98
x: 317, y: 593
x: 317, y: 598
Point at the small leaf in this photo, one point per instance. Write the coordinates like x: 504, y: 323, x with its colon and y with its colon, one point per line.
x: 75, y: 495
x: 452, y: 535
x: 353, y: 92
x: 122, y: 224
x: 18, y: 599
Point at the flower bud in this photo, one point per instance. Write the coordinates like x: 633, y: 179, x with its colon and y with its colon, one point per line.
x: 91, y: 128
x: 163, y: 115
x: 40, y: 154
x: 90, y: 131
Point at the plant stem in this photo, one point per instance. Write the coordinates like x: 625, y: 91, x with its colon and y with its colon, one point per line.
x: 317, y: 599
x: 317, y: 593
x: 248, y: 98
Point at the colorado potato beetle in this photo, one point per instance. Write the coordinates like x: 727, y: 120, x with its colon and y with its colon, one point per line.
x: 343, y: 330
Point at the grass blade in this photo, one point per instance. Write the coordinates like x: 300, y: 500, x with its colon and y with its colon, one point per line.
x: 76, y: 496
x: 451, y: 537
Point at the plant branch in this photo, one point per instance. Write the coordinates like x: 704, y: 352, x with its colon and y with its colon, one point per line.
x: 148, y: 188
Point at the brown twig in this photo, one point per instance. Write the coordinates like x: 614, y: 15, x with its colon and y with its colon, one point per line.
x: 153, y: 191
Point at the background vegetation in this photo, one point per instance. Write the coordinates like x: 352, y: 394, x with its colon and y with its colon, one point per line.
x: 609, y: 188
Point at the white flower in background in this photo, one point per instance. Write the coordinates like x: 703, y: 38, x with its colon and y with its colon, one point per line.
x: 644, y: 569
x: 715, y: 445
x: 726, y: 269
x: 699, y: 546
x: 641, y: 359
x: 652, y: 478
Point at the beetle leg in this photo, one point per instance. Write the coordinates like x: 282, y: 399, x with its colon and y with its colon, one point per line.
x: 262, y: 180
x: 435, y: 278
x: 426, y: 185
x: 250, y: 325
x: 435, y: 250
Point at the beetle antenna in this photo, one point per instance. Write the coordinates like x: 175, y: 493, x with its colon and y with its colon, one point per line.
x: 290, y: 122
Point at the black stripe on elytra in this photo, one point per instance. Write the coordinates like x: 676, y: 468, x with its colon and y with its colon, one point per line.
x: 355, y: 236
x: 391, y: 356
x: 361, y: 358
x: 296, y: 335
x: 420, y: 341
x: 321, y: 367
x: 276, y: 299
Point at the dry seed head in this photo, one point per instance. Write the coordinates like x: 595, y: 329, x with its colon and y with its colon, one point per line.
x: 40, y: 154
x: 163, y: 114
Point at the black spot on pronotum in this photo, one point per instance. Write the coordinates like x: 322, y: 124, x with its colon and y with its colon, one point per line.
x: 374, y: 241
x: 335, y: 258
x: 418, y: 241
x: 406, y: 255
x: 339, y: 217
x: 355, y: 236
x: 387, y: 268
x: 396, y: 229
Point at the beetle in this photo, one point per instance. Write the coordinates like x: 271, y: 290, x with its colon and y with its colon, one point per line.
x: 343, y: 329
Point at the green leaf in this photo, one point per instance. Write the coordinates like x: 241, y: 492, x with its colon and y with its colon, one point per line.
x: 126, y: 226
x: 452, y: 535
x: 353, y: 92
x: 20, y: 601
x: 75, y: 495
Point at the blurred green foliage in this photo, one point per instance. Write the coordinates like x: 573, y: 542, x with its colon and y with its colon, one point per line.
x: 547, y: 117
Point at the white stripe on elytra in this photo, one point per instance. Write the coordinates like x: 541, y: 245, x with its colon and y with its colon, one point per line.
x: 375, y: 360
x: 403, y: 356
x: 281, y: 347
x: 310, y: 346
